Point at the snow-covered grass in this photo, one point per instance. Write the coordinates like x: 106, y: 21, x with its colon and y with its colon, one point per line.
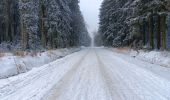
x: 19, y: 62
x: 161, y: 58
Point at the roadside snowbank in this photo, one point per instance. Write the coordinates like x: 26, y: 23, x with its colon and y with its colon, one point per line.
x: 161, y: 58
x: 11, y: 65
x: 36, y: 83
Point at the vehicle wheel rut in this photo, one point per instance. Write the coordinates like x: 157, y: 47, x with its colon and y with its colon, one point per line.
x: 60, y: 87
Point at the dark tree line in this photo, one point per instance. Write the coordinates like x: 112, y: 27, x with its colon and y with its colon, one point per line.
x: 137, y: 23
x: 9, y: 20
x: 38, y: 24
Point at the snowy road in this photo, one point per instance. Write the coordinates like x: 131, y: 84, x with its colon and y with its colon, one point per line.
x: 90, y: 74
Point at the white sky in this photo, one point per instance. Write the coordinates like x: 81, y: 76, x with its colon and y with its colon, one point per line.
x: 90, y: 10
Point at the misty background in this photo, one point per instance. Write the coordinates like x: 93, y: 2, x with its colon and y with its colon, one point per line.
x: 90, y: 11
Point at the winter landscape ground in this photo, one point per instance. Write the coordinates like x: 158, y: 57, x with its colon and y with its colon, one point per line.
x: 45, y: 51
x: 91, y: 74
x: 20, y: 62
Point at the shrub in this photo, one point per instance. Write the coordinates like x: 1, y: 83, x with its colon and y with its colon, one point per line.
x: 20, y: 53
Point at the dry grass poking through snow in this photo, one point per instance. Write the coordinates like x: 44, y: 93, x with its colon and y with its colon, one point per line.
x: 2, y: 54
x: 20, y: 53
x: 122, y: 50
x: 25, y: 53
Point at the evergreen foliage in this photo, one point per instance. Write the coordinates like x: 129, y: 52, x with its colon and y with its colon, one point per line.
x: 38, y: 24
x: 134, y: 22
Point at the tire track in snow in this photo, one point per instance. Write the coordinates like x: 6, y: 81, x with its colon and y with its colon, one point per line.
x: 61, y: 86
x: 109, y: 82
x: 93, y: 74
x: 85, y: 84
x: 33, y: 85
x: 146, y: 83
x: 135, y: 82
x: 114, y: 83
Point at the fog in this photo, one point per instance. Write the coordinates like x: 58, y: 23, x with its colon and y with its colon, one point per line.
x: 90, y: 11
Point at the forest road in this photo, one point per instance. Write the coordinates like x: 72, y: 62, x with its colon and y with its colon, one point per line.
x: 101, y: 75
x: 90, y: 74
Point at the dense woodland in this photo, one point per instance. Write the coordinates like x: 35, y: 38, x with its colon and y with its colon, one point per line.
x: 136, y: 23
x: 41, y: 24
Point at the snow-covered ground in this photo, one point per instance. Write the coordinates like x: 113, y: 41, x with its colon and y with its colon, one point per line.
x: 161, y: 58
x: 90, y: 74
x: 11, y: 65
